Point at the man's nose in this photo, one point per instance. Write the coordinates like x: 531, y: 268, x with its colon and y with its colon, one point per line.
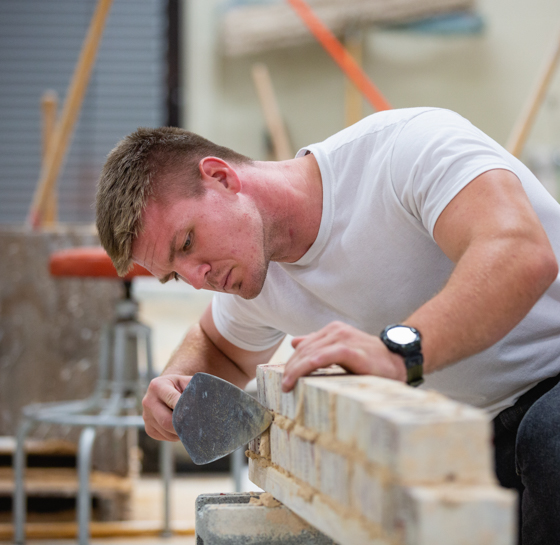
x: 195, y: 275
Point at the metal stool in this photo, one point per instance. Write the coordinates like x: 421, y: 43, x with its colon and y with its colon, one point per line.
x: 116, y: 400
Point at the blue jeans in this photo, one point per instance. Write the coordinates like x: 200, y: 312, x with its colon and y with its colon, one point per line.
x: 527, y: 458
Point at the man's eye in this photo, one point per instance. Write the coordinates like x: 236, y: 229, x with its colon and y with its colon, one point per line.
x: 188, y: 243
x: 175, y: 277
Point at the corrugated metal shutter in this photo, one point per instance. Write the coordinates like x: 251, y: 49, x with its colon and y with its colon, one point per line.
x: 40, y: 41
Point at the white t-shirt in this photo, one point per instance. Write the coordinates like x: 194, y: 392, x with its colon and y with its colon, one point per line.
x: 385, y: 181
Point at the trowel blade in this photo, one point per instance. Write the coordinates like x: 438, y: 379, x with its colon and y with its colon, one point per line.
x: 213, y: 418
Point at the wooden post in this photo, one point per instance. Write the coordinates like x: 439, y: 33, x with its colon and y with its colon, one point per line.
x: 72, y: 105
x: 524, y: 123
x: 49, y: 106
x: 273, y: 118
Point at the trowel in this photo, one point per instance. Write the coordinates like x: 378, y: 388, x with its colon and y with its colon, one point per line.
x: 213, y: 418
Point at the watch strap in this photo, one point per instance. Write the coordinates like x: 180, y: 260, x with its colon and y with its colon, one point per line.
x: 414, y: 369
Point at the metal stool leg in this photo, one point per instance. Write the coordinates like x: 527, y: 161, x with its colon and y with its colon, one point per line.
x: 19, y: 497
x: 87, y: 437
x: 166, y: 470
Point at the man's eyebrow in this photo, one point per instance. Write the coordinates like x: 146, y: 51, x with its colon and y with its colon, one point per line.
x: 172, y: 248
x: 166, y: 278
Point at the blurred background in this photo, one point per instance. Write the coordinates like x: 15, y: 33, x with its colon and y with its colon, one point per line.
x: 248, y: 75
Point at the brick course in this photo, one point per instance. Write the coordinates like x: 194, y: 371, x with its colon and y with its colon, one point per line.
x: 373, y: 461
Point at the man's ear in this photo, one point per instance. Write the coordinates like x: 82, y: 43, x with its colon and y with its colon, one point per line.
x: 215, y: 170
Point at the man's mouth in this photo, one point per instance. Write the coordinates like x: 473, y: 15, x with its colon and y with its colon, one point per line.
x: 226, y: 280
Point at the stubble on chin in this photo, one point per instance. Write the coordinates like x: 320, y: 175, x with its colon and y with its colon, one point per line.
x: 255, y: 283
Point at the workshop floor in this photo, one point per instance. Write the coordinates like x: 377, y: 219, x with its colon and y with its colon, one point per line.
x: 147, y: 506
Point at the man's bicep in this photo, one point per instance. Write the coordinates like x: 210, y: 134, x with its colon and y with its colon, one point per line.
x: 492, y: 207
x: 246, y: 360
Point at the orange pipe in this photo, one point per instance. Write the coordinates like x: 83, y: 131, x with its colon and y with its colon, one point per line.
x: 335, y: 49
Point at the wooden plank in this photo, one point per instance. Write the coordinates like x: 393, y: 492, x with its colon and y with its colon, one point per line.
x: 251, y: 28
x: 524, y: 124
x: 271, y: 111
x: 69, y: 530
x: 70, y: 112
x: 43, y: 447
x: 49, y: 107
x: 63, y: 482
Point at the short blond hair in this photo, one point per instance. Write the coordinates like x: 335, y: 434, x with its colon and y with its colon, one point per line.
x: 134, y: 173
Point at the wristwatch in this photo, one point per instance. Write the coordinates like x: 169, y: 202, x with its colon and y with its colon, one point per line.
x: 407, y: 342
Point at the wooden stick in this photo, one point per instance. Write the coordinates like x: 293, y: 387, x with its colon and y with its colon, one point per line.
x: 353, y: 107
x: 271, y: 110
x: 523, y: 126
x: 49, y: 106
x: 69, y: 530
x: 72, y: 106
x: 344, y: 60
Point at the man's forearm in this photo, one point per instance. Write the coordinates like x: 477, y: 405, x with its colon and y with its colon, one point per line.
x: 197, y: 353
x: 493, y: 287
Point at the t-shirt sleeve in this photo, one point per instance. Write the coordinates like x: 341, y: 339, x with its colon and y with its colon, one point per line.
x: 436, y: 154
x: 240, y: 322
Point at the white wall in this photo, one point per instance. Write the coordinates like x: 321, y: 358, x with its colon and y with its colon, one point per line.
x: 486, y: 78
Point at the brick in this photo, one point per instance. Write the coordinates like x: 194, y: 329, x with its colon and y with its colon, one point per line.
x: 369, y: 460
x: 320, y: 395
x: 269, y: 379
x: 280, y: 450
x: 317, y: 406
x: 335, y: 475
x: 457, y: 515
x: 304, y: 460
x: 430, y: 443
x: 343, y: 529
x: 369, y: 497
x: 352, y: 399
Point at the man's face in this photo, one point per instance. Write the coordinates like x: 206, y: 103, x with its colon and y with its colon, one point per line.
x: 213, y: 242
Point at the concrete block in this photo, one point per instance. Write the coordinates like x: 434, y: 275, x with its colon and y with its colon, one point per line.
x: 431, y: 443
x: 231, y: 519
x: 457, y: 515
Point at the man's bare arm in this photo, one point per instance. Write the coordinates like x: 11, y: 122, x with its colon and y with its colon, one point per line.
x: 202, y: 350
x: 504, y: 264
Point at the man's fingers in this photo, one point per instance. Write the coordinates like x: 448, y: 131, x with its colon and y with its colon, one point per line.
x: 158, y: 403
x: 301, y: 365
x: 169, y: 388
x: 160, y: 436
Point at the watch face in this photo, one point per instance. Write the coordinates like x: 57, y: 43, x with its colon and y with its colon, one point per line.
x: 401, y: 335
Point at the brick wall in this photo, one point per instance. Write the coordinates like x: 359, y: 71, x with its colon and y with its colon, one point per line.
x: 372, y: 461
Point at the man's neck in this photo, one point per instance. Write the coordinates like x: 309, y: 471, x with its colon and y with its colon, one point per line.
x: 290, y: 195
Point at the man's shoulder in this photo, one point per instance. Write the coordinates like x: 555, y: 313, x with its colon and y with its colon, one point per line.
x: 372, y: 125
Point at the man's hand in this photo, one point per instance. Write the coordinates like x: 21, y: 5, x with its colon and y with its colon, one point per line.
x: 356, y: 351
x: 159, y: 402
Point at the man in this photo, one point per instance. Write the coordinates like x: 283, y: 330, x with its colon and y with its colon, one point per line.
x: 410, y: 217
